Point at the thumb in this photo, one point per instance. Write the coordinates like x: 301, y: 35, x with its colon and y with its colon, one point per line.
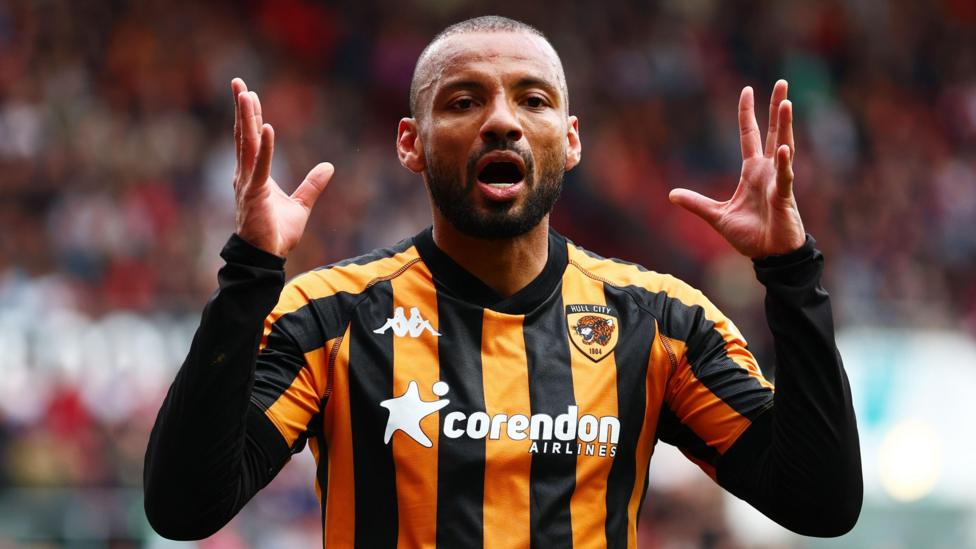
x: 700, y: 205
x: 315, y: 182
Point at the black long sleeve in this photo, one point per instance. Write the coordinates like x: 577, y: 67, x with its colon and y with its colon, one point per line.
x: 799, y: 462
x: 211, y: 450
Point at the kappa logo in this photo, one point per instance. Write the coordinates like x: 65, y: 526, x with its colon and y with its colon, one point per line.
x: 401, y: 326
x: 593, y: 329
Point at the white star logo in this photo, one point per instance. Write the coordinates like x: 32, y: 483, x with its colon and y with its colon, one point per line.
x: 408, y: 409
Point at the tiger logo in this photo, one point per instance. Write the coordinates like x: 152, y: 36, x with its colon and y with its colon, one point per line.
x: 595, y: 329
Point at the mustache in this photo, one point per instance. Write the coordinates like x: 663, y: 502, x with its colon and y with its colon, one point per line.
x: 501, y: 144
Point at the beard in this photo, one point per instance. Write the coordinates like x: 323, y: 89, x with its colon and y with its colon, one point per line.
x: 499, y: 219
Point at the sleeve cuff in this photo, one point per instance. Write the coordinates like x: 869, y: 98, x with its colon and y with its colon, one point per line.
x: 238, y: 250
x: 798, y: 267
x: 803, y: 253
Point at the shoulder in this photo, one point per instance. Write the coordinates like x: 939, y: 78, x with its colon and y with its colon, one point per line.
x: 354, y: 276
x: 680, y: 307
x: 631, y: 276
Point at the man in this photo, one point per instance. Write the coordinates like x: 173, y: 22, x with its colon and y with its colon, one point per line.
x: 486, y: 382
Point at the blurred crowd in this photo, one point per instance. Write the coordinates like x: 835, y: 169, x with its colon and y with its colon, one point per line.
x: 116, y: 159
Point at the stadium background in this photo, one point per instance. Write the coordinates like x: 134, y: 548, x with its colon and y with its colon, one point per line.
x: 115, y: 197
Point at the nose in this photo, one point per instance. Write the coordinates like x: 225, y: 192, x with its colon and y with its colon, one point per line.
x: 501, y: 122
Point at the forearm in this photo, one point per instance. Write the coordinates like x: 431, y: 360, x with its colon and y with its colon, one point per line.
x: 210, y: 450
x: 800, y: 463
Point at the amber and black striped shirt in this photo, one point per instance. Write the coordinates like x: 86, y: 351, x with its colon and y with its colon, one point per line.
x: 441, y: 414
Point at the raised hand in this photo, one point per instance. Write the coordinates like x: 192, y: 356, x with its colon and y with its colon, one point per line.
x: 761, y: 218
x: 266, y: 216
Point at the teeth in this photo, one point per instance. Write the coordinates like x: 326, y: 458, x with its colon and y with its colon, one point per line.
x: 501, y: 185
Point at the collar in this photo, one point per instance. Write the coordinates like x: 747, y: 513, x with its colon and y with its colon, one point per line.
x: 458, y: 282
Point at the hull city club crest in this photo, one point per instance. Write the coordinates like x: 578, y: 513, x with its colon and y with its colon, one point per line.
x: 593, y: 329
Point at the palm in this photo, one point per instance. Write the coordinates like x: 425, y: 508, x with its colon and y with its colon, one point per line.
x: 761, y: 218
x: 273, y: 219
x: 267, y: 217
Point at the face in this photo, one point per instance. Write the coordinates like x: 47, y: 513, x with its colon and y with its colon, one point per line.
x: 492, y: 137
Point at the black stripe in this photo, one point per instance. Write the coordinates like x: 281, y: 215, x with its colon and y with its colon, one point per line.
x: 371, y: 382
x: 318, y: 321
x: 671, y: 430
x: 551, y: 392
x: 294, y: 334
x: 706, y: 353
x: 460, y: 461
x: 263, y: 433
x: 631, y: 355
x: 322, y: 476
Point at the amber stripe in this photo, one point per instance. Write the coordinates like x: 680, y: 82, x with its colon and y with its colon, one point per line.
x: 595, y: 390
x: 341, y: 497
x: 296, y: 406
x: 415, y: 360
x: 658, y: 371
x: 714, y: 421
x: 508, y: 464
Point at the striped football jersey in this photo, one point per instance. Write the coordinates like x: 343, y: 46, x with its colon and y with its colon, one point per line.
x: 444, y: 415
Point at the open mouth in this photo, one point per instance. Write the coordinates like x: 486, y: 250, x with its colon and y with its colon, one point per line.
x: 501, y: 174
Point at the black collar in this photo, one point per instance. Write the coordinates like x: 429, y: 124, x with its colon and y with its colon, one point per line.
x: 456, y: 281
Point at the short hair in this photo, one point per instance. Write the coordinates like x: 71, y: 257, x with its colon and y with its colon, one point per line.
x: 484, y: 23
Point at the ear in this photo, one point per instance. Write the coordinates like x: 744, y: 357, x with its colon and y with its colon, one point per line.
x: 574, y: 148
x: 410, y: 149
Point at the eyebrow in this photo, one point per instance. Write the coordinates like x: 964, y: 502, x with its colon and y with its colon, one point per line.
x: 533, y: 82
x: 522, y: 83
x: 461, y: 85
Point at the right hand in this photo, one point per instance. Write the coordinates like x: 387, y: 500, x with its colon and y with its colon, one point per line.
x: 266, y: 216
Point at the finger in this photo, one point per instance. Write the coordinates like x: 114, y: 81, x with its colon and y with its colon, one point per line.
x: 784, y: 136
x: 315, y: 182
x: 250, y: 135
x: 779, y: 94
x: 748, y: 128
x: 784, y: 171
x: 700, y: 205
x: 262, y: 164
x: 237, y: 86
x: 257, y: 109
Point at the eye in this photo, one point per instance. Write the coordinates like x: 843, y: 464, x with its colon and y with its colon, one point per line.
x: 462, y: 104
x: 536, y: 102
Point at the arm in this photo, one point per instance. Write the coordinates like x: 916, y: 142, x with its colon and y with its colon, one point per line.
x: 799, y: 461
x: 792, y: 453
x: 211, y: 449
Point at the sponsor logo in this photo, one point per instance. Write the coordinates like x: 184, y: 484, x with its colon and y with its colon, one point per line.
x: 402, y: 326
x: 593, y: 330
x: 568, y: 433
x: 408, y: 409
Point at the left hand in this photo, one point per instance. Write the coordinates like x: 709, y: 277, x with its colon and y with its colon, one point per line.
x: 761, y: 218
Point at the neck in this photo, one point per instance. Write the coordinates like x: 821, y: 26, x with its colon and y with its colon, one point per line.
x: 505, y: 265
